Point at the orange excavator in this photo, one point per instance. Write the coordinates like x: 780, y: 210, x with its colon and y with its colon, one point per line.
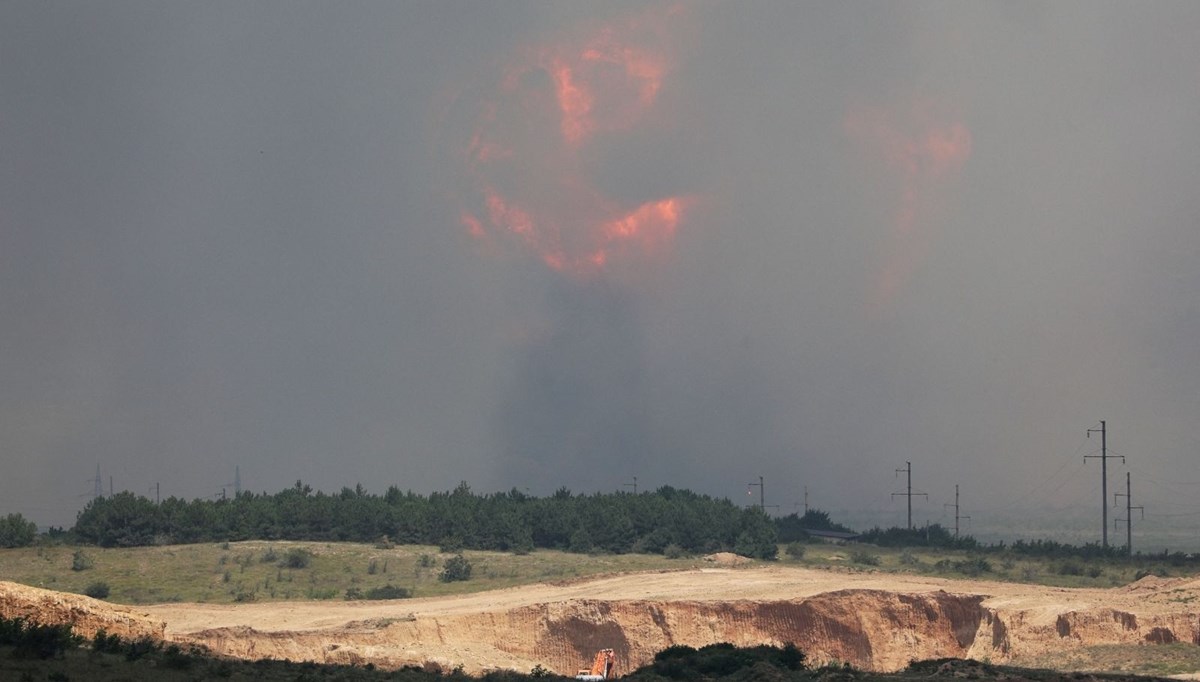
x: 602, y: 667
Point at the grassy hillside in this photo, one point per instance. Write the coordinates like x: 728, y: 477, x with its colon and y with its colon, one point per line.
x: 1057, y: 572
x: 263, y: 571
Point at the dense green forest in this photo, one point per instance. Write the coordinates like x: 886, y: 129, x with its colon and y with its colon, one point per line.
x: 661, y: 521
x: 665, y: 521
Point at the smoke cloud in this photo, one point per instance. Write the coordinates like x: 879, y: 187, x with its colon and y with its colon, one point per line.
x: 539, y: 246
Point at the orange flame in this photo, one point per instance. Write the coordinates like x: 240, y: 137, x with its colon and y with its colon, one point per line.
x: 529, y: 156
x: 926, y: 152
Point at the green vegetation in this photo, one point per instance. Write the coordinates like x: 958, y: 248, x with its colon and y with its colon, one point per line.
x: 456, y: 569
x: 147, y: 575
x: 16, y: 531
x: 992, y: 565
x: 612, y: 523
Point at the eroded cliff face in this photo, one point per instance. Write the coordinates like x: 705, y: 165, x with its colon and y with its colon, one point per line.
x: 872, y: 629
x: 86, y: 615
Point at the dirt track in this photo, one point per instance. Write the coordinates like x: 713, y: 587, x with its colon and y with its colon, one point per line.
x: 873, y: 620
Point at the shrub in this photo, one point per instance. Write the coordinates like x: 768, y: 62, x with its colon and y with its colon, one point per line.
x: 457, y: 568
x: 140, y: 648
x: 81, y: 561
x: 427, y: 561
x: 106, y: 643
x: 389, y: 592
x: 176, y: 658
x: 297, y: 558
x: 269, y: 556
x: 907, y: 558
x: 30, y: 640
x: 97, y: 590
x: 863, y: 557
x: 794, y: 550
x: 973, y: 566
x: 1069, y: 568
x: 373, y: 567
x: 673, y: 551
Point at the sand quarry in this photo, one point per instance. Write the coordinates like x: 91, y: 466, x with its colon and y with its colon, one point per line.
x: 875, y: 621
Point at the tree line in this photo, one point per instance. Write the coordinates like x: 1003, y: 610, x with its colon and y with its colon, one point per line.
x: 661, y: 521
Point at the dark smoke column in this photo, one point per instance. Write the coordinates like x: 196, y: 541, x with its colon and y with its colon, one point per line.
x: 577, y: 412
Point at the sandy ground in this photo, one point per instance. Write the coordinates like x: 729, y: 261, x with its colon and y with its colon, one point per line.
x: 1147, y: 597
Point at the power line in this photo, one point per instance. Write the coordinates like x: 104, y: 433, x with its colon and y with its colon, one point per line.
x: 1128, y: 515
x: 957, y: 516
x: 1103, y: 430
x: 908, y: 492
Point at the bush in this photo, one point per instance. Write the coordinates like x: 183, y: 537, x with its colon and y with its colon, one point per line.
x: 973, y: 566
x: 81, y: 561
x: 16, y: 531
x: 97, y: 590
x: 457, y: 568
x: 37, y: 641
x: 269, y: 556
x: 1069, y: 568
x: 106, y: 643
x: 427, y: 561
x: 864, y: 558
x: 907, y: 558
x: 673, y: 551
x: 297, y: 558
x: 389, y: 592
x: 794, y: 550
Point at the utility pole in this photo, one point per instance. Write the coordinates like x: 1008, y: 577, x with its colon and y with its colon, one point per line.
x: 99, y: 489
x: 762, y: 494
x: 634, y: 485
x: 957, y: 516
x: 237, y: 481
x: 157, y: 495
x: 797, y: 504
x: 1103, y: 457
x: 1128, y: 515
x: 909, y: 493
x: 110, y: 486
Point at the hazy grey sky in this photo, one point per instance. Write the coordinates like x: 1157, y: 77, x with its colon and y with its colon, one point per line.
x: 561, y: 244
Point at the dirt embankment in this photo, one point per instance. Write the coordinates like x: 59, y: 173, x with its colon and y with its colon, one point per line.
x: 873, y: 621
x: 86, y: 615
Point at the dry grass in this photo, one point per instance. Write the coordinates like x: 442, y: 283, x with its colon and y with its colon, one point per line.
x: 245, y: 571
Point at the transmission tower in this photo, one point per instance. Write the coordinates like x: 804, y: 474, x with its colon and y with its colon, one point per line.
x: 1103, y: 457
x: 908, y: 492
x: 631, y: 485
x: 957, y: 516
x: 1128, y: 514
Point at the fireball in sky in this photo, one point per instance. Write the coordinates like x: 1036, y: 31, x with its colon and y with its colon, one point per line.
x: 531, y: 157
x: 922, y: 149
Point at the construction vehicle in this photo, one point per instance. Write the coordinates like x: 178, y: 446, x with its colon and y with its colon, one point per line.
x: 602, y: 667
